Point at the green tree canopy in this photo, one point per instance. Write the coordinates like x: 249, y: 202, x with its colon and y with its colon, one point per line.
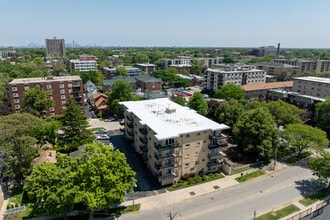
x: 256, y: 134
x: 99, y: 179
x: 74, y: 127
x: 180, y: 100
x: 322, y: 118
x: 18, y: 145
x: 300, y: 137
x: 229, y: 91
x: 321, y: 167
x: 37, y: 100
x: 198, y: 103
x: 121, y: 71
x: 284, y: 113
x: 228, y: 112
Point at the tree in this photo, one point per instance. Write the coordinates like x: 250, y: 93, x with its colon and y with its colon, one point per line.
x: 284, y: 113
x: 93, y: 76
x: 300, y: 137
x: 37, y: 100
x: 198, y: 103
x: 47, y: 132
x: 228, y: 59
x: 121, y: 91
x: 18, y: 145
x: 228, y: 112
x: 99, y: 179
x: 180, y: 100
x: 104, y: 177
x: 121, y: 71
x: 321, y: 167
x: 74, y: 127
x: 322, y: 118
x: 229, y: 91
x: 256, y: 134
x: 52, y: 188
x: 197, y: 67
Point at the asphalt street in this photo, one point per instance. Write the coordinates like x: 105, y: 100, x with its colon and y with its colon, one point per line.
x: 239, y: 201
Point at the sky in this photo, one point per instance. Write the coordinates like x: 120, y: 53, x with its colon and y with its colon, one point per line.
x: 167, y: 23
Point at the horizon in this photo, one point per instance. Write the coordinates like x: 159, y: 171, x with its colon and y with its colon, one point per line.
x: 182, y: 24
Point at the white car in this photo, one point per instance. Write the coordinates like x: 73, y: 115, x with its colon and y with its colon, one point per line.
x: 103, y: 137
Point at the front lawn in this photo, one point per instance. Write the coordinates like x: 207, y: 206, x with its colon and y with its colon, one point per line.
x: 295, y: 159
x: 279, y: 213
x: 315, y: 197
x: 250, y: 176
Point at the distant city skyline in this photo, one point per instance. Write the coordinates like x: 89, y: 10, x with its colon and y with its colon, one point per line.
x: 171, y: 23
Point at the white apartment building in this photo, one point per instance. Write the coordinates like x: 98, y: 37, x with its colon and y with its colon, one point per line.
x: 312, y: 86
x: 83, y: 65
x: 238, y: 75
x: 173, y: 140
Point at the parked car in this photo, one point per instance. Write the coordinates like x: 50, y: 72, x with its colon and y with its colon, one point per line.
x: 101, y: 131
x: 103, y: 137
x: 110, y: 119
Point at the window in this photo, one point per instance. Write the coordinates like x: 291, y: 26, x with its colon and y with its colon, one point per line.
x: 49, y: 86
x: 62, y: 91
x: 197, y: 153
x: 15, y: 94
x: 186, y: 165
x: 198, y: 134
x: 51, y: 109
x: 169, y: 141
x: 26, y: 87
x: 187, y: 146
x: 52, y: 114
x: 17, y: 106
x: 197, y: 162
x: 62, y: 97
x: 187, y: 135
x: 16, y: 100
x: 61, y: 85
x: 14, y: 88
x: 198, y: 144
x: 187, y: 156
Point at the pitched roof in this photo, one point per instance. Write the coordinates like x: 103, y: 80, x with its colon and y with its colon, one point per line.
x: 45, y: 155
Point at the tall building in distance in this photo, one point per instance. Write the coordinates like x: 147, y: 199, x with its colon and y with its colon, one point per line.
x: 55, y: 47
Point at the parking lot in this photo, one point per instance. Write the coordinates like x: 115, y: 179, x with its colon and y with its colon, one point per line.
x: 147, y: 184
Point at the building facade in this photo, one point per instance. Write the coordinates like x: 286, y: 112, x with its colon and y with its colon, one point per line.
x: 312, y: 86
x: 259, y: 91
x: 62, y: 88
x: 110, y: 72
x: 174, y: 141
x: 238, y: 75
x: 281, y: 71
x: 146, y: 67
x: 83, y: 65
x: 307, y: 65
x: 55, y: 47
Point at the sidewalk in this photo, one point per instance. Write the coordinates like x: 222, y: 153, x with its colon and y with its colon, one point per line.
x: 153, y: 202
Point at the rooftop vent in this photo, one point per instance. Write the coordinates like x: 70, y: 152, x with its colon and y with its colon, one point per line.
x: 170, y: 110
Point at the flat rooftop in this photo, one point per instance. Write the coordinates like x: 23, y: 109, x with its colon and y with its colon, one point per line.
x: 169, y: 119
x: 314, y: 79
x: 264, y: 86
x: 44, y: 79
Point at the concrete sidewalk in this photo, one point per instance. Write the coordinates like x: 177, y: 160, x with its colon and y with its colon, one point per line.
x: 172, y: 197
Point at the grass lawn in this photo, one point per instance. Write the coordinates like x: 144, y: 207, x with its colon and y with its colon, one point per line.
x: 315, y: 197
x: 295, y: 159
x: 233, y: 172
x: 216, y: 187
x: 186, y: 183
x: 250, y: 176
x: 16, y: 198
x: 279, y: 213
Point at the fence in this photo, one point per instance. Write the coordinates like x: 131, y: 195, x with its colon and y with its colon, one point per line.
x: 318, y: 211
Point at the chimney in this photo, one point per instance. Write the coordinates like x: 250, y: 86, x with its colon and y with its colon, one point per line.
x: 278, y: 50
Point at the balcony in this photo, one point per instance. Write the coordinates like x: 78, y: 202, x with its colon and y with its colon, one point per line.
x: 161, y: 166
x: 214, y: 163
x: 143, y: 140
x: 163, y: 156
x: 122, y: 129
x: 144, y: 148
x: 215, y: 154
x: 130, y: 125
x: 122, y: 122
x: 143, y: 131
x: 166, y: 176
x: 160, y: 147
x: 217, y: 144
x: 130, y: 118
x: 217, y: 137
x: 130, y: 133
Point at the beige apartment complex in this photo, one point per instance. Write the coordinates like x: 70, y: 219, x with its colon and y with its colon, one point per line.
x: 307, y: 65
x: 312, y: 86
x: 238, y: 75
x: 174, y: 141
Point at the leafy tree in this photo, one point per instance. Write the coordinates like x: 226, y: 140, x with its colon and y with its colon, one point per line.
x: 104, y: 177
x: 59, y: 68
x: 229, y: 91
x: 140, y: 58
x: 228, y: 59
x: 170, y: 77
x: 228, y: 112
x: 121, y: 91
x: 74, y: 127
x: 256, y: 134
x: 300, y: 137
x: 197, y: 67
x: 248, y: 105
x: 321, y: 167
x: 198, y: 103
x: 212, y: 105
x: 5, y: 109
x: 37, y: 99
x: 52, y: 189
x: 322, y: 118
x: 284, y: 113
x: 47, y: 132
x: 180, y: 100
x: 18, y: 145
x: 121, y: 71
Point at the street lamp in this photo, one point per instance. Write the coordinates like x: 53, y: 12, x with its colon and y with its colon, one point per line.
x: 133, y: 197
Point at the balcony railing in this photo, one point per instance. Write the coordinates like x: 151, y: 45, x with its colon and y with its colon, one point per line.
x: 164, y: 166
x: 130, y: 133
x: 167, y: 176
x: 143, y: 131
x: 130, y: 125
x: 122, y: 122
x: 215, y: 154
x: 215, y: 163
x: 122, y: 129
x: 161, y: 147
x: 130, y: 118
x: 163, y: 156
x: 217, y: 144
x: 144, y: 148
x: 143, y: 140
x: 217, y: 136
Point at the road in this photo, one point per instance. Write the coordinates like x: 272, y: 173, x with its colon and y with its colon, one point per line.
x: 238, y: 202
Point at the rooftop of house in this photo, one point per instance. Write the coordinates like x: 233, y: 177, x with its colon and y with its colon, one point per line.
x: 45, y: 155
x: 44, y: 79
x: 265, y: 86
x: 169, y: 119
x: 313, y: 79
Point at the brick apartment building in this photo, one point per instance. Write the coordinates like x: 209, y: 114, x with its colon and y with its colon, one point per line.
x: 174, y: 141
x: 62, y: 88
